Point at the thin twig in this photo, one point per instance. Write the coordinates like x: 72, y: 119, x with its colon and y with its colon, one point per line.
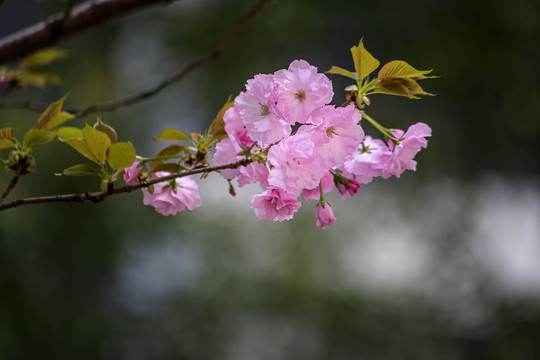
x: 101, y: 195
x: 12, y: 183
x: 68, y: 11
x: 28, y: 105
x: 66, y: 24
x: 116, y: 104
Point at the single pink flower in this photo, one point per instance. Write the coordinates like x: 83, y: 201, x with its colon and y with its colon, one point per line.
x: 226, y: 153
x: 257, y: 108
x: 131, y: 173
x: 295, y: 165
x: 335, y: 132
x: 404, y: 152
x: 275, y: 205
x: 172, y: 197
x: 368, y: 161
x: 325, y: 215
x: 253, y: 173
x: 315, y: 193
x: 235, y: 128
x: 300, y: 90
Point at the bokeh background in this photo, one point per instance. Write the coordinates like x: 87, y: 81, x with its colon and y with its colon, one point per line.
x: 443, y: 263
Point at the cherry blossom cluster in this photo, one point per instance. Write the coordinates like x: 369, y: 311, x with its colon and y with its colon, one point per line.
x: 305, y: 147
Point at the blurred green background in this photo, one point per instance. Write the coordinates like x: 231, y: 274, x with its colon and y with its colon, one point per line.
x: 443, y: 263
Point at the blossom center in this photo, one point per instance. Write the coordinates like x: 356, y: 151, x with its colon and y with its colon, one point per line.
x: 300, y: 95
x: 330, y: 132
x: 265, y: 110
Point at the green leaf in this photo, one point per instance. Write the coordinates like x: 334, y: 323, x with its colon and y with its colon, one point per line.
x: 36, y: 76
x: 7, y: 133
x: 398, y: 68
x: 340, y: 71
x: 43, y: 57
x: 168, y: 151
x: 83, y: 149
x: 66, y: 133
x: 172, y: 135
x: 36, y: 137
x: 107, y: 129
x: 82, y: 170
x: 121, y: 155
x: 6, y: 143
x: 364, y: 62
x: 53, y: 116
x: 98, y: 142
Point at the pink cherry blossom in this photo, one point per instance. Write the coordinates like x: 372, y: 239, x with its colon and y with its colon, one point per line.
x: 253, y: 173
x: 131, y: 174
x: 170, y: 199
x: 336, y: 133
x: 369, y: 160
x: 275, y: 205
x: 315, y: 193
x: 235, y: 128
x: 226, y: 153
x: 295, y: 166
x: 404, y: 152
x: 259, y: 114
x: 325, y: 215
x: 300, y: 90
x: 349, y: 188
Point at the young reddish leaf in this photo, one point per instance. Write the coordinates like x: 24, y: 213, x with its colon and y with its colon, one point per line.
x: 53, y: 116
x: 107, y: 129
x: 7, y: 133
x: 399, y: 86
x: 172, y: 135
x: 82, y: 170
x: 364, y: 62
x: 217, y: 128
x: 340, y: 71
x: 98, y: 142
x: 121, y: 155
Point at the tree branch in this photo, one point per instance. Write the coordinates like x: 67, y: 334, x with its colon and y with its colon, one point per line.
x: 101, y: 195
x: 11, y: 184
x: 66, y: 24
x: 116, y: 104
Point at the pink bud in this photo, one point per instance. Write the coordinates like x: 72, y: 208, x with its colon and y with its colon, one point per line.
x: 325, y: 215
x: 348, y: 189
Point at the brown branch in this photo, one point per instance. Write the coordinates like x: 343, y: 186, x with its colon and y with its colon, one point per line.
x: 101, y: 195
x: 116, y: 104
x: 66, y: 24
x: 12, y: 183
x: 68, y: 11
x: 113, y: 105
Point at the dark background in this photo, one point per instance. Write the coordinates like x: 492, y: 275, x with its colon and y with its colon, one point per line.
x: 443, y: 263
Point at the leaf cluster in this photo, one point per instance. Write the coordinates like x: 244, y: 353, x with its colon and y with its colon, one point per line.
x: 394, y: 78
